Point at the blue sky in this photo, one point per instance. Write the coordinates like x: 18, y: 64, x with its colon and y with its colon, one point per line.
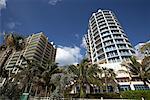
x: 65, y: 21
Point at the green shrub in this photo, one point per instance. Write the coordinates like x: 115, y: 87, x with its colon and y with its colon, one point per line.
x: 104, y: 95
x: 136, y: 94
x: 98, y: 95
x: 133, y: 94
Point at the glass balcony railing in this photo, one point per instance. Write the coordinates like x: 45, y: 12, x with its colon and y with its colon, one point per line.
x: 118, y: 42
x: 122, y: 47
x: 110, y: 49
x: 124, y: 53
x: 105, y: 34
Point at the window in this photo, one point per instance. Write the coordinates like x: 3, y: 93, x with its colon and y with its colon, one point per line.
x: 141, y: 87
x: 125, y: 87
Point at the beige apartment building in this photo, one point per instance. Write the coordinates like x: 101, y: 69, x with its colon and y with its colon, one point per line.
x: 37, y: 48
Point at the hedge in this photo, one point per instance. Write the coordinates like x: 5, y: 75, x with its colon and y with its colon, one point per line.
x: 136, y: 94
x: 132, y: 94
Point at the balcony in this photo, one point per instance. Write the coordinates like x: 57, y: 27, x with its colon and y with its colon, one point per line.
x: 114, y: 60
x: 111, y: 24
x: 107, y: 38
x: 110, y: 49
x: 108, y: 43
x: 117, y: 36
x: 122, y: 47
x: 106, y: 34
x: 125, y: 53
x: 101, y: 23
x: 112, y: 55
x: 119, y: 42
x: 98, y: 41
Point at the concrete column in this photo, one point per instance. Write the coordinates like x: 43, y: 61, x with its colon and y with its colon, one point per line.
x: 132, y: 86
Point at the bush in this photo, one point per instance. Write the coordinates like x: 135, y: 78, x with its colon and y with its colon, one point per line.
x: 136, y: 94
x: 133, y: 94
x: 98, y: 96
x: 104, y: 95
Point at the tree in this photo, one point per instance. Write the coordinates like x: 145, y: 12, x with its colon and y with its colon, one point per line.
x: 23, y: 81
x: 109, y: 78
x: 137, y: 69
x: 34, y: 78
x: 10, y: 90
x: 84, y: 74
x: 146, y: 49
x: 30, y: 76
x: 50, y: 69
x: 13, y: 42
x: 61, y: 81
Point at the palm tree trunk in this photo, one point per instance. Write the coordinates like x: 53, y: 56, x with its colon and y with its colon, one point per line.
x: 46, y: 92
x: 30, y: 88
x: 106, y: 85
x: 36, y: 91
x: 26, y: 88
x: 101, y: 89
x: 81, y: 91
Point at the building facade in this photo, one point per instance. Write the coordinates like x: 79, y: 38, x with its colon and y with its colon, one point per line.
x: 145, y: 52
x: 37, y: 48
x: 106, y: 41
x: 108, y: 46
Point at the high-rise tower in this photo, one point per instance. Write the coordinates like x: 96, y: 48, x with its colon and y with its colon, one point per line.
x: 37, y: 48
x: 106, y: 41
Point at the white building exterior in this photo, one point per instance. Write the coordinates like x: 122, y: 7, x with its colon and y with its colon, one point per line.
x: 108, y: 46
x: 124, y: 79
x: 138, y: 52
x: 106, y: 41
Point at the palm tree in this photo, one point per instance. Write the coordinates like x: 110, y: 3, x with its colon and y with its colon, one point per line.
x: 36, y: 78
x: 109, y: 78
x: 31, y: 75
x: 11, y: 90
x: 137, y: 69
x: 61, y: 82
x: 13, y: 42
x: 56, y: 79
x: 24, y: 80
x: 84, y: 74
x: 50, y: 69
x: 145, y: 47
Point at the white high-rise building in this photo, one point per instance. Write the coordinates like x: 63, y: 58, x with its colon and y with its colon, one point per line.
x: 106, y: 41
x: 146, y: 51
x: 108, y: 46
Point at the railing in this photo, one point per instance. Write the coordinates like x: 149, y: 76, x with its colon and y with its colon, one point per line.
x: 48, y: 98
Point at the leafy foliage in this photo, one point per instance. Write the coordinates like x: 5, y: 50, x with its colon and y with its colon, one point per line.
x: 87, y: 74
x: 140, y: 70
x: 136, y: 94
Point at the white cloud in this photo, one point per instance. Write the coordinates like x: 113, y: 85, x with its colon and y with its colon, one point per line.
x: 54, y: 2
x: 68, y: 55
x: 83, y: 43
x: 77, y: 36
x: 2, y: 4
x: 12, y: 25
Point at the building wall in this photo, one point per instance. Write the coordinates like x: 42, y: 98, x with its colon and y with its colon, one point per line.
x: 108, y: 46
x: 106, y: 41
x: 140, y: 54
x: 37, y: 48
